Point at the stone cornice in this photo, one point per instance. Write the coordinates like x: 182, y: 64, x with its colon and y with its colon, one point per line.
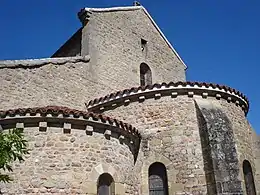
x: 33, y: 63
x: 189, y: 89
x: 68, y: 117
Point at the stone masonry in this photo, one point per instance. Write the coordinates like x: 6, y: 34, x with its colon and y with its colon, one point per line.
x: 71, y: 108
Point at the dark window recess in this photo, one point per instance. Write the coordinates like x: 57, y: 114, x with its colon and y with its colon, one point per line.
x: 158, y: 184
x: 145, y: 75
x: 106, y: 185
x: 143, y: 44
x: 249, y: 178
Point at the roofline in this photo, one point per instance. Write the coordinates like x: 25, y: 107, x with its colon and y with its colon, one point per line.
x: 131, y: 8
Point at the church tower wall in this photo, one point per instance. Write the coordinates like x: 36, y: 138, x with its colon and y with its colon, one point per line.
x: 174, y: 121
x: 120, y: 40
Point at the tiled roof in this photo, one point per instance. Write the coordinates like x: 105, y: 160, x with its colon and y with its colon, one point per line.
x: 66, y: 112
x: 201, y: 85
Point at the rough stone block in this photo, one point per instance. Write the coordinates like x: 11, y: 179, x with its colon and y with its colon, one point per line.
x: 121, y: 139
x: 127, y: 101
x: 204, y: 95
x: 190, y: 94
x: 120, y: 189
x: 218, y: 96
x: 66, y: 128
x: 89, y: 188
x: 19, y: 126
x: 107, y: 134
x: 174, y: 94
x: 157, y: 96
x: 89, y: 130
x: 43, y: 126
x: 141, y: 98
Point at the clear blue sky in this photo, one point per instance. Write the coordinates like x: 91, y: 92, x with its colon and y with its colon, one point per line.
x: 218, y: 39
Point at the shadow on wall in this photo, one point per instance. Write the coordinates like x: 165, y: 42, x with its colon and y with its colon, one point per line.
x: 71, y: 48
x: 221, y: 164
x: 208, y: 162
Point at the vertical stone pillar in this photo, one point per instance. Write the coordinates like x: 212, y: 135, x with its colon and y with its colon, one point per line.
x: 219, y: 150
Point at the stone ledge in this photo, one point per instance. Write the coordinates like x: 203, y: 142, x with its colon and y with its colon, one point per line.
x: 33, y: 63
x: 189, y: 89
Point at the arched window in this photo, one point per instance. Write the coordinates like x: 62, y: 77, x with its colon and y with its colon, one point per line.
x: 249, y: 178
x: 106, y: 185
x: 145, y: 75
x: 158, y: 183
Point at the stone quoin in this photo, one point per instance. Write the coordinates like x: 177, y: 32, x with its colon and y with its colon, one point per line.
x: 111, y: 113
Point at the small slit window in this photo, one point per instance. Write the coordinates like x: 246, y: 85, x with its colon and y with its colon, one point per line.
x: 158, y: 183
x: 106, y: 185
x: 143, y: 44
x: 249, y: 178
x: 145, y: 75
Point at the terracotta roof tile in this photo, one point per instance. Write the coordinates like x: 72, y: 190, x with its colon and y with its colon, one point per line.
x: 167, y: 85
x: 56, y: 110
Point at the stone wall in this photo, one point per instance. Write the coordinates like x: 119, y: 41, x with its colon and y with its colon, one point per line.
x: 257, y: 160
x: 243, y: 135
x: 55, y: 81
x: 170, y: 135
x: 113, y: 40
x: 68, y: 154
x: 72, y: 47
x: 219, y: 149
x: 198, y: 142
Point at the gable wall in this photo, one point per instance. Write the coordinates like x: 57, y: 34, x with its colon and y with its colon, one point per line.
x: 113, y: 40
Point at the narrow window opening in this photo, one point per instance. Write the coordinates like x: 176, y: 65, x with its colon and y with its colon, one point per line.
x: 158, y: 182
x: 145, y: 75
x: 249, y: 178
x: 106, y: 185
x: 143, y: 44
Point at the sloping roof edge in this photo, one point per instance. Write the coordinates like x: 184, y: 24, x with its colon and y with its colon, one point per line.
x: 131, y: 8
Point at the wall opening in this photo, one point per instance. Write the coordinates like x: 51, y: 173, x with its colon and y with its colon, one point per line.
x: 145, y: 75
x: 143, y: 44
x: 106, y: 185
x: 249, y: 178
x: 158, y: 182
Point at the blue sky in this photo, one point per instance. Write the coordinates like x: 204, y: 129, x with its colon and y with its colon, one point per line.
x: 218, y: 40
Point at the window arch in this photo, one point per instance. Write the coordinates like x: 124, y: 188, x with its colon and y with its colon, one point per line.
x: 158, y: 182
x: 106, y: 185
x: 249, y: 178
x: 145, y: 75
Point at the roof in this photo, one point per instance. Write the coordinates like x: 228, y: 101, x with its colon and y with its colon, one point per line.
x: 132, y: 8
x: 199, y: 88
x: 66, y: 112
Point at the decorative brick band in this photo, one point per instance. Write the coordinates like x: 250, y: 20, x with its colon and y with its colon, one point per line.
x: 171, y: 89
x: 68, y: 118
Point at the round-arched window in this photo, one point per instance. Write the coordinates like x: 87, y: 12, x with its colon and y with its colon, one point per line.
x: 158, y: 184
x: 249, y: 178
x: 145, y: 75
x: 106, y: 185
